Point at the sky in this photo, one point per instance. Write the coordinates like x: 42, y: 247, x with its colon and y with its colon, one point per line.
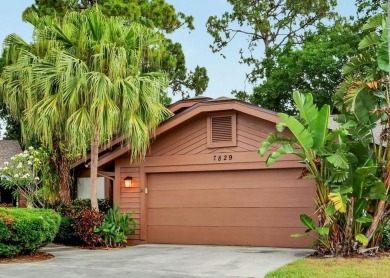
x: 225, y: 74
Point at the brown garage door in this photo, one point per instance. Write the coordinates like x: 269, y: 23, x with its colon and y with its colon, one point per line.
x: 255, y: 208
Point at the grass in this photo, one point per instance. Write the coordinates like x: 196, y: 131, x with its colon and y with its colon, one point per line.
x: 334, y: 268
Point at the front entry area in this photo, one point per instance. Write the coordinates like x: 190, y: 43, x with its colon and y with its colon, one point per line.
x: 242, y: 207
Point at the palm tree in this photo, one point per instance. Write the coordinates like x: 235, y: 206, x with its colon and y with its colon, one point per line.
x: 88, y: 84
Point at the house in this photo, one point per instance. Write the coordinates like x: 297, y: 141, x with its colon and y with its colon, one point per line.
x: 202, y: 181
x: 8, y: 148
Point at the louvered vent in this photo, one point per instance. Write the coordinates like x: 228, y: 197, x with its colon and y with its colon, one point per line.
x: 221, y: 129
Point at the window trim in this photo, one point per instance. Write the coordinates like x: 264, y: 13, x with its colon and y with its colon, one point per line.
x: 233, y: 142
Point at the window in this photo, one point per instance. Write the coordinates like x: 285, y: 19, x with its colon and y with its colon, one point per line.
x: 221, y: 130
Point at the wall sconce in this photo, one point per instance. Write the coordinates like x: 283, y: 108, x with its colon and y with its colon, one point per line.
x: 128, y: 181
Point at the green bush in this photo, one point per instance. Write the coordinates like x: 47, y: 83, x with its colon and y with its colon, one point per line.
x: 66, y: 234
x: 116, y: 227
x: 23, y: 231
x: 78, y: 205
x: 385, y: 244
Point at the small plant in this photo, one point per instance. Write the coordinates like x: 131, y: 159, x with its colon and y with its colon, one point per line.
x: 116, y: 227
x: 84, y: 226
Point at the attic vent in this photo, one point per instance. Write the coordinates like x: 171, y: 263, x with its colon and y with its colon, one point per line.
x: 221, y: 130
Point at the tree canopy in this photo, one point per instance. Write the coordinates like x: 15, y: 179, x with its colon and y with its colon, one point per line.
x: 83, y: 81
x: 157, y: 14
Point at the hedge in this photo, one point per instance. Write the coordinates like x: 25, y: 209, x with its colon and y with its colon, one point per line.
x: 24, y: 230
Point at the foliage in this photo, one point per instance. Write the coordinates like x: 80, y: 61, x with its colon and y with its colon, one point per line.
x: 23, y: 231
x: 86, y: 73
x: 157, y: 14
x: 268, y: 24
x: 66, y: 233
x: 84, y: 226
x: 116, y: 227
x: 70, y: 212
x: 316, y: 67
x: 386, y: 237
x: 348, y: 183
x: 75, y: 207
x: 22, y: 174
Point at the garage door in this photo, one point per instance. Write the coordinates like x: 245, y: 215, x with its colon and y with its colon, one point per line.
x: 253, y: 208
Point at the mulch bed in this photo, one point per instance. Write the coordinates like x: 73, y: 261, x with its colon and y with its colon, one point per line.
x: 36, y: 257
x: 368, y: 255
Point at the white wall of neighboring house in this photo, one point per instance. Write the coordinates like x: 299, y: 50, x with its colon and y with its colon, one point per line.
x: 84, y: 188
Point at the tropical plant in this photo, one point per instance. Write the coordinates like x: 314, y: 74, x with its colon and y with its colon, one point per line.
x: 116, y: 227
x: 83, y: 78
x: 23, y: 174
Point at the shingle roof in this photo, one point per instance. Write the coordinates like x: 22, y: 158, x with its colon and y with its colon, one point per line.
x: 8, y: 148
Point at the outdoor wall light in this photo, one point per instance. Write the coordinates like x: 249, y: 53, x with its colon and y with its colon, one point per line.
x: 128, y: 181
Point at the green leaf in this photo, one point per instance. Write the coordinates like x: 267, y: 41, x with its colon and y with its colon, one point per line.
x: 330, y: 210
x: 359, y: 206
x: 320, y: 127
x: 338, y: 201
x: 280, y: 127
x: 304, y: 104
x: 323, y: 231
x: 338, y: 160
x: 283, y: 149
x: 362, y: 239
x: 369, y: 40
x: 308, y: 222
x: 302, y: 135
x: 378, y: 191
x: 365, y: 219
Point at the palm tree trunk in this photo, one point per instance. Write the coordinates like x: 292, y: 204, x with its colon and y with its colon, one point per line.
x: 94, y: 166
x: 348, y: 228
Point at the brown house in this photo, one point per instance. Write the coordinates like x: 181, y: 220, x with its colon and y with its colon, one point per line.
x: 202, y: 181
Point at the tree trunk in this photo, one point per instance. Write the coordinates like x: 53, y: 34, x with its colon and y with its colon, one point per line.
x: 94, y: 166
x: 61, y: 164
x: 348, y: 229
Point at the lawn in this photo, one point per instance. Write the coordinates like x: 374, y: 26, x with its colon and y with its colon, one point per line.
x: 334, y: 268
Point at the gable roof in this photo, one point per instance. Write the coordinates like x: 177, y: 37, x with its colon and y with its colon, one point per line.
x: 8, y: 148
x: 185, y: 110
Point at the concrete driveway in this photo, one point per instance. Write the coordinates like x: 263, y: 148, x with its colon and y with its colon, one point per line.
x: 156, y: 260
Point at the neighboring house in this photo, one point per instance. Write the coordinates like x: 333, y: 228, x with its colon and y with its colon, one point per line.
x: 8, y: 148
x: 202, y: 181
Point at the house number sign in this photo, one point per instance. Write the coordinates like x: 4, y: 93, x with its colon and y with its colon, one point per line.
x: 223, y: 157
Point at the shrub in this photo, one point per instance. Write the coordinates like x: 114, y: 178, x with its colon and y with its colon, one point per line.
x: 116, y: 226
x: 78, y: 205
x: 23, y: 231
x: 385, y: 244
x: 66, y: 233
x: 84, y: 226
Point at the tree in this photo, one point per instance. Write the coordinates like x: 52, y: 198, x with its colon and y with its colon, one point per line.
x: 266, y: 25
x: 156, y: 14
x: 86, y: 83
x: 314, y: 67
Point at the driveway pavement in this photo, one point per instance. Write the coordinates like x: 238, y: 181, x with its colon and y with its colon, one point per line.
x: 156, y: 260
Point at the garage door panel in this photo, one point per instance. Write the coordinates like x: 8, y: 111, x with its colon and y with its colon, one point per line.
x: 253, y: 236
x: 206, y: 180
x: 254, y: 197
x: 227, y: 217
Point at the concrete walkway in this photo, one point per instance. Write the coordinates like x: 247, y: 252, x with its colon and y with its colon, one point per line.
x: 155, y: 261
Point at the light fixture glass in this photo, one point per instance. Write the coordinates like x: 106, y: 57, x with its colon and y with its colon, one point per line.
x: 128, y: 181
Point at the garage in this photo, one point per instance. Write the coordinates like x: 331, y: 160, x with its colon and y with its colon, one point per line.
x: 252, y: 208
x: 203, y: 182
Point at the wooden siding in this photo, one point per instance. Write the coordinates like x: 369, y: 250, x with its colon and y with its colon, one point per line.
x: 198, y: 195
x: 191, y: 137
x: 130, y: 197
